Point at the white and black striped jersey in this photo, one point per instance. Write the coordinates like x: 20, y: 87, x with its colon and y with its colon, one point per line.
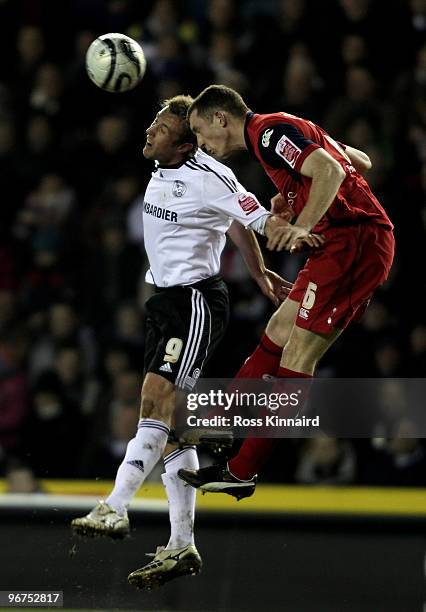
x: 186, y: 212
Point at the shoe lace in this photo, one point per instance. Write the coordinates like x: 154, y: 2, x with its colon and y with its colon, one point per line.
x: 159, y: 549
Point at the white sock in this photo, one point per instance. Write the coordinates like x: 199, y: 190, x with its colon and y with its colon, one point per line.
x: 181, y: 497
x: 143, y: 452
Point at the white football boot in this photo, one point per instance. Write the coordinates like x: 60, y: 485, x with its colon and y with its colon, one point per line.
x: 102, y: 521
x: 166, y: 565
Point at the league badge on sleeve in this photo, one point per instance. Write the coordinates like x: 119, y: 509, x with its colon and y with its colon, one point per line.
x: 288, y: 150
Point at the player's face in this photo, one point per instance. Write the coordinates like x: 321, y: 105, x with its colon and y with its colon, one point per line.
x: 162, y: 137
x: 212, y: 135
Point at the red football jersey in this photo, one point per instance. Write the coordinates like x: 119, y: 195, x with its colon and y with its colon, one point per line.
x: 281, y: 142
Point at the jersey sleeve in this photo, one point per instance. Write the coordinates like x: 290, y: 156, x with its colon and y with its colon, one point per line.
x: 225, y: 195
x: 283, y: 145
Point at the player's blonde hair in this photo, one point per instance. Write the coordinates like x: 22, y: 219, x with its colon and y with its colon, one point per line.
x: 179, y: 106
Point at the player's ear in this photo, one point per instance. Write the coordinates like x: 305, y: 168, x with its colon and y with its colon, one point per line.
x: 186, y: 147
x: 220, y: 118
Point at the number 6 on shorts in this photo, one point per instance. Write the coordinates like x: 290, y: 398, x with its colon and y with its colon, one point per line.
x: 173, y: 349
x: 310, y: 295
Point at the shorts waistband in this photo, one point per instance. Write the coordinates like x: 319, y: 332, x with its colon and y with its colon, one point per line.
x: 205, y: 283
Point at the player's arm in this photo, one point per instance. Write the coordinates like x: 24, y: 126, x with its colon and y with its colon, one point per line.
x: 284, y: 146
x: 228, y: 197
x: 270, y: 283
x: 360, y: 160
x: 327, y: 175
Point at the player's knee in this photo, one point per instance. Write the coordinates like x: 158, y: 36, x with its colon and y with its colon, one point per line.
x: 156, y: 404
x: 298, y: 356
x: 278, y: 329
x: 301, y: 353
x: 147, y: 405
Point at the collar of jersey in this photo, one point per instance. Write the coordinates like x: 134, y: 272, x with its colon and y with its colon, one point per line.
x: 248, y: 118
x: 171, y: 166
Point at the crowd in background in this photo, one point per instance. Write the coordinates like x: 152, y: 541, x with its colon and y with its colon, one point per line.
x: 72, y: 178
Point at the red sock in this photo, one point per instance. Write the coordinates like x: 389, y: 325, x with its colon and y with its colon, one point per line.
x: 254, y: 452
x: 265, y: 359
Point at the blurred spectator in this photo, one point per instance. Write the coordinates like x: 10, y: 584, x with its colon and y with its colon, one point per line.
x: 46, y: 208
x: 45, y: 280
x: 116, y: 199
x: 40, y: 152
x: 327, y: 461
x: 128, y: 330
x: 9, y: 164
x: 417, y: 363
x: 398, y: 461
x: 105, y: 451
x: 30, y: 48
x: 53, y: 428
x: 14, y: 392
x: 47, y: 93
x: 77, y: 387
x: 115, y: 361
x: 8, y: 304
x: 162, y: 19
x: 221, y: 15
x: 20, y: 479
x: 112, y: 273
x: 388, y: 360
x: 62, y: 327
x: 301, y: 85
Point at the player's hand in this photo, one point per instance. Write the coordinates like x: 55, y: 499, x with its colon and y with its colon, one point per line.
x: 280, y: 208
x: 313, y: 241
x: 274, y: 287
x: 292, y: 238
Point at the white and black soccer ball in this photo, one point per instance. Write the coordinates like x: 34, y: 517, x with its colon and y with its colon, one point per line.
x: 115, y: 62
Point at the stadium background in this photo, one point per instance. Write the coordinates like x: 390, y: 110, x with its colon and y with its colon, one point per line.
x: 72, y: 177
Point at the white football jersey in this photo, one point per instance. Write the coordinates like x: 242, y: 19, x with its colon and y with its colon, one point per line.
x: 186, y: 212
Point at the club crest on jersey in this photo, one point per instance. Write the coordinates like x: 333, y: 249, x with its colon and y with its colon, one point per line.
x: 248, y: 203
x: 266, y: 137
x: 288, y: 150
x: 179, y: 189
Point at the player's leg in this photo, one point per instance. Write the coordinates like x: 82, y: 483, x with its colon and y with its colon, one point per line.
x: 301, y: 353
x: 147, y: 447
x: 217, y: 478
x: 166, y: 331
x: 181, y: 499
x: 208, y: 321
x: 143, y: 452
x: 180, y: 556
x: 328, y: 294
x: 300, y: 356
x: 266, y: 357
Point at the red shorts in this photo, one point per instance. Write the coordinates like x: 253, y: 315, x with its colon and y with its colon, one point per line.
x: 337, y: 282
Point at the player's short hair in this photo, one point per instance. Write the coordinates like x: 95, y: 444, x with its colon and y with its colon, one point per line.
x: 218, y: 97
x: 178, y: 106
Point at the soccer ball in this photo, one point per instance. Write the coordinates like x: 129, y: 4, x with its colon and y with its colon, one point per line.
x: 115, y: 62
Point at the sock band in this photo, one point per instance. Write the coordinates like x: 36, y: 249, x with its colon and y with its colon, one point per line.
x: 177, y: 453
x: 142, y: 453
x: 154, y: 425
x: 285, y: 373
